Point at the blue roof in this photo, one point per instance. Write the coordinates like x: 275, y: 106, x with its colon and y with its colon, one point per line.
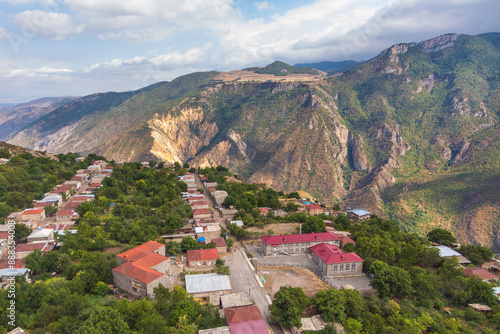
x: 359, y: 212
x: 445, y: 251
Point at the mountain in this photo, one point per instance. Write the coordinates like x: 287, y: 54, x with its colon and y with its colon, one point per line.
x: 279, y: 68
x: 411, y: 134
x: 330, y: 66
x: 15, y: 117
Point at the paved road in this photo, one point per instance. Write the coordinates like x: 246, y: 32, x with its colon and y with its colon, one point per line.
x: 243, y: 280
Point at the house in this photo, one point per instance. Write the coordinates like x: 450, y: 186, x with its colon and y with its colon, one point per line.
x: 33, y: 214
x: 142, y: 268
x: 24, y: 249
x: 202, y: 214
x: 313, y: 209
x: 358, y: 214
x: 313, y: 324
x: 82, y: 199
x: 264, y: 211
x: 54, y: 199
x: 332, y: 262
x: 211, y: 185
x: 43, y: 205
x: 208, y: 286
x: 207, y: 232
x: 445, y: 251
x: 4, y: 245
x: 5, y: 274
x: 218, y: 330
x: 18, y: 330
x: 246, y: 319
x: 196, y: 198
x: 238, y: 223
x: 482, y: 273
x: 61, y: 229
x: 236, y: 300
x: 16, y: 263
x: 199, y: 205
x: 295, y: 243
x: 219, y: 196
x: 202, y: 257
x: 345, y: 240
x: 67, y: 214
x: 42, y: 234
x: 220, y: 245
x: 280, y: 213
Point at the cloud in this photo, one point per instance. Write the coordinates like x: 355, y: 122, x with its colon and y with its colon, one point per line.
x: 143, y: 20
x: 56, y: 26
x: 3, y: 33
x: 157, y: 63
x: 42, y: 72
x: 264, y: 5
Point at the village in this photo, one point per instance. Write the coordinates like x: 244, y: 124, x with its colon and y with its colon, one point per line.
x: 238, y: 278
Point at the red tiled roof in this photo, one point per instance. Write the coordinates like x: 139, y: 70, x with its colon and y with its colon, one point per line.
x: 202, y: 254
x: 77, y: 178
x: 147, y: 247
x: 18, y: 263
x: 295, y: 238
x: 65, y: 212
x: 4, y: 235
x: 332, y: 254
x: 245, y: 313
x: 212, y: 189
x: 310, y: 207
x: 202, y: 212
x: 81, y: 198
x: 43, y: 246
x: 33, y: 212
x: 481, y: 273
x: 219, y: 242
x: 196, y: 198
x: 344, y: 240
x: 197, y: 203
x: 245, y: 327
x: 95, y: 185
x: 140, y: 261
x: 43, y: 204
x: 60, y: 227
x: 72, y: 204
x: 264, y: 210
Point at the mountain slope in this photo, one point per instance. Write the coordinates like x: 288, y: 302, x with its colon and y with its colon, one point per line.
x: 418, y: 120
x: 14, y: 118
x: 330, y: 66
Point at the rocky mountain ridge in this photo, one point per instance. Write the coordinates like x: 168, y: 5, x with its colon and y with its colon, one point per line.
x: 407, y: 117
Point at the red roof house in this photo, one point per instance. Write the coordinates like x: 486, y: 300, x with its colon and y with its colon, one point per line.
x: 202, y: 257
x: 17, y: 263
x: 334, y: 263
x: 142, y: 268
x: 299, y: 238
x: 482, y: 273
x: 314, y: 209
x: 245, y: 327
x: 246, y: 319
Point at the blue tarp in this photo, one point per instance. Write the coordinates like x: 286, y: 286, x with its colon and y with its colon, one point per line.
x: 202, y: 239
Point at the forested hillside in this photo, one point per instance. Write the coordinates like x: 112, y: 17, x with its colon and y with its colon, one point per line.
x: 418, y: 120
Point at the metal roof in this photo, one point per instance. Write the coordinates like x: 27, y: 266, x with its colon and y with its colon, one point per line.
x: 359, y: 212
x: 207, y: 283
x: 496, y: 290
x: 13, y: 272
x: 445, y: 251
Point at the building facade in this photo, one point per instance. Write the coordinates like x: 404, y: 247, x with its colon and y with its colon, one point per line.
x: 332, y: 262
x: 295, y: 243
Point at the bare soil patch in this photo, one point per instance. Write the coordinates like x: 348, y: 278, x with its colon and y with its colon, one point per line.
x: 295, y: 277
x: 252, y: 76
x: 279, y: 228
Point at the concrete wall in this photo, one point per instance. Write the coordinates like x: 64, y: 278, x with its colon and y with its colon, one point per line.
x: 330, y: 269
x: 203, y: 216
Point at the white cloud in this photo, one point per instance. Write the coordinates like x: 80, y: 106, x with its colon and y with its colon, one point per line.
x: 42, y: 72
x: 163, y: 62
x: 17, y: 2
x: 264, y: 5
x: 57, y: 26
x: 3, y: 33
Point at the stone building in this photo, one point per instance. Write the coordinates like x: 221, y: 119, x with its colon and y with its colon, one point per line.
x: 142, y: 268
x: 295, y: 243
x: 332, y: 262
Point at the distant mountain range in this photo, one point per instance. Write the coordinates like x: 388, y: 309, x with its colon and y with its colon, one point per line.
x: 411, y: 134
x: 330, y: 66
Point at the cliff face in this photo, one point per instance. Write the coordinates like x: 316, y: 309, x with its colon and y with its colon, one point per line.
x: 419, y: 119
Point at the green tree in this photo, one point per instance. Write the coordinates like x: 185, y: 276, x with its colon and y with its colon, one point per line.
x: 172, y: 248
x: 288, y: 305
x: 331, y: 304
x: 188, y: 243
x: 392, y: 281
x: 313, y: 224
x: 34, y: 262
x: 5, y: 153
x: 352, y: 326
x: 22, y: 231
x: 477, y: 254
x: 102, y: 321
x: 441, y: 236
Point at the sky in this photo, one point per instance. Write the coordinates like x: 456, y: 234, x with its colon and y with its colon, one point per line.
x: 80, y: 47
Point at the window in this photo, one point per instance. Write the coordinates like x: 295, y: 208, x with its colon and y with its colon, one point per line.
x: 347, y: 267
x: 204, y: 263
x: 341, y: 267
x: 291, y: 251
x: 335, y: 267
x: 199, y: 263
x: 302, y: 249
x: 194, y: 263
x: 353, y: 266
x: 336, y: 242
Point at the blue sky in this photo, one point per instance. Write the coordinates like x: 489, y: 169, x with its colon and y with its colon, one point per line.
x: 78, y: 47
